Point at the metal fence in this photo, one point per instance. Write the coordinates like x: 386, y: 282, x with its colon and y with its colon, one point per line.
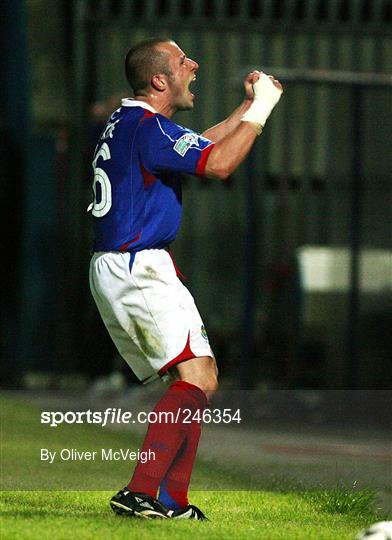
x: 318, y: 176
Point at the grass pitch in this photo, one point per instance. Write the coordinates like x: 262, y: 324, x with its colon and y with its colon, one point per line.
x: 243, y: 514
x: 273, y: 512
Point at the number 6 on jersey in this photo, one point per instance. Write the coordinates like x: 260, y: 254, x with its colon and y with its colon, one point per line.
x: 102, y: 204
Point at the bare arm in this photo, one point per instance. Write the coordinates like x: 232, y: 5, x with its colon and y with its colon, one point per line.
x: 216, y: 133
x: 230, y: 151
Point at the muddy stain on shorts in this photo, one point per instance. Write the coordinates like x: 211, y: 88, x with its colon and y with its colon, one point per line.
x: 148, y: 342
x: 153, y: 274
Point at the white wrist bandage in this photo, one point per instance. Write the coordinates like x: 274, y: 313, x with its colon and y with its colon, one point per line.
x: 266, y: 97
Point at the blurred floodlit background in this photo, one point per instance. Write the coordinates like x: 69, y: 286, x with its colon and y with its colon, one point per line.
x: 289, y: 262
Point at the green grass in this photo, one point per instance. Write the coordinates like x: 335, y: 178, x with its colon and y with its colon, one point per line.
x: 342, y: 500
x: 69, y: 509
x: 242, y: 514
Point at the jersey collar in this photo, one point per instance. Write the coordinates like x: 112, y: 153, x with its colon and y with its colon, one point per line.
x: 130, y: 102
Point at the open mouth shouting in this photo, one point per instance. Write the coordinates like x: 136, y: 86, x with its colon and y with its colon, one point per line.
x: 190, y: 82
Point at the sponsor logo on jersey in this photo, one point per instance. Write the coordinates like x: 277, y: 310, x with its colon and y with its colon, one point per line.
x: 185, y: 142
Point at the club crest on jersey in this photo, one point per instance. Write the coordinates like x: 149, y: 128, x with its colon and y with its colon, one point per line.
x: 204, y: 333
x: 185, y: 142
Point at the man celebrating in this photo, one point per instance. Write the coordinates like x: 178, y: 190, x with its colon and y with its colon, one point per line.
x: 150, y: 315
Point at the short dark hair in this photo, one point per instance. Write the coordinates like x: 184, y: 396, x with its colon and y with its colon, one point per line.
x: 143, y: 61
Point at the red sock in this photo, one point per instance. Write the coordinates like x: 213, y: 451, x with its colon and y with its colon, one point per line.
x: 165, y: 438
x: 176, y: 482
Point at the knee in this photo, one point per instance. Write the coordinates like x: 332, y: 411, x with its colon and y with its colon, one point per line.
x: 201, y: 372
x: 210, y: 386
x: 208, y: 383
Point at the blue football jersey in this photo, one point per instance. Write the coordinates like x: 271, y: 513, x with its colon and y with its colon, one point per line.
x: 137, y: 178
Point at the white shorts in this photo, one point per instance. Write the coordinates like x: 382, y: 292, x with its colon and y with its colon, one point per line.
x: 150, y: 315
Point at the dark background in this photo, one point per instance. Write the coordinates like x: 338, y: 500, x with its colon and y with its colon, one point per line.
x: 289, y: 262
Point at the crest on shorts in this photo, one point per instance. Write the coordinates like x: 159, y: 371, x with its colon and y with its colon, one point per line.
x: 204, y: 333
x: 185, y: 142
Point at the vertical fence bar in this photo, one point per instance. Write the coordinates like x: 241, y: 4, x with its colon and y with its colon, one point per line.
x: 357, y: 187
x: 15, y: 126
x: 252, y: 232
x: 72, y: 256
